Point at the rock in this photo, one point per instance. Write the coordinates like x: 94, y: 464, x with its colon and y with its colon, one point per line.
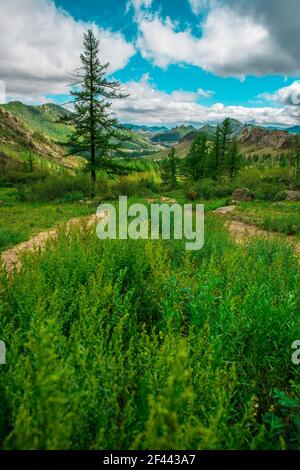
x: 293, y: 195
x: 243, y: 194
x: 167, y: 199
x: 150, y: 200
x: 224, y: 210
x: 288, y: 196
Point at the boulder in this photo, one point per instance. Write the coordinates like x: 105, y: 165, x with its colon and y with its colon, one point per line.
x: 293, y: 195
x: 243, y: 194
x: 224, y: 210
x: 150, y: 200
x: 288, y: 196
x: 168, y: 200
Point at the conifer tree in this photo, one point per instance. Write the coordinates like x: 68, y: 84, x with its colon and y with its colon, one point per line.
x: 97, y: 134
x: 196, y: 161
x: 233, y: 159
x: 170, y: 169
x: 225, y: 141
x: 215, y: 154
x: 29, y: 161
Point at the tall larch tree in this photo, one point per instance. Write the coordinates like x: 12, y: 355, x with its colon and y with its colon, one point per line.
x: 225, y: 143
x: 97, y: 134
x: 215, y: 154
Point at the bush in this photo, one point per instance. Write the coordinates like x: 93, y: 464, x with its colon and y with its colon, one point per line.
x: 210, y: 189
x: 137, y: 184
x: 266, y: 191
x: 74, y: 196
x: 55, y: 187
x: 13, y: 177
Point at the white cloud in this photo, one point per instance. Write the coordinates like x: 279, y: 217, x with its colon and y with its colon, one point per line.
x: 2, y: 92
x: 199, y: 6
x: 231, y: 44
x: 289, y: 95
x: 138, y: 4
x: 40, y: 46
x: 148, y: 105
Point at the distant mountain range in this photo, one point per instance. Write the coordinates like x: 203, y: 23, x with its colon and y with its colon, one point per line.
x: 172, y: 135
x: 149, y: 129
x: 293, y: 130
x: 25, y: 128
x: 36, y: 129
x: 186, y: 133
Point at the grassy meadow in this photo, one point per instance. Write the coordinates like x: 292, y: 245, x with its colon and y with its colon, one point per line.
x: 134, y: 344
x: 143, y: 345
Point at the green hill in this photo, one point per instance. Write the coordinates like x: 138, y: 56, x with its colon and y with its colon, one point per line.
x: 28, y: 129
x: 43, y: 119
x: 24, y: 132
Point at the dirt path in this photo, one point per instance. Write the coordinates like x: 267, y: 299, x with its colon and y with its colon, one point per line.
x: 11, y: 258
x: 242, y: 230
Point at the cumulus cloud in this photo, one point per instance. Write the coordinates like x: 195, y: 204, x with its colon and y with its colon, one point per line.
x: 198, y: 6
x: 40, y: 45
x: 289, y: 95
x: 2, y: 92
x: 232, y: 42
x: 148, y: 105
x: 138, y: 4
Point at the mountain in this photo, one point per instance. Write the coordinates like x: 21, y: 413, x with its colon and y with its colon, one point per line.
x: 209, y: 129
x: 43, y: 119
x: 149, y: 129
x: 18, y: 139
x: 252, y: 139
x: 36, y: 129
x: 261, y: 138
x: 249, y: 135
x: 293, y: 130
x: 172, y: 136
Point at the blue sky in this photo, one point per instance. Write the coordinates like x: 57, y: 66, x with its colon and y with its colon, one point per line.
x: 110, y: 14
x: 180, y: 60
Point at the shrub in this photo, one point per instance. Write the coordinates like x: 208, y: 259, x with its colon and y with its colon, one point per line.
x: 210, y: 189
x: 266, y: 191
x: 74, y: 196
x: 55, y: 187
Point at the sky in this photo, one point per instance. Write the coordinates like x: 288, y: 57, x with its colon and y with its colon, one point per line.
x: 180, y: 61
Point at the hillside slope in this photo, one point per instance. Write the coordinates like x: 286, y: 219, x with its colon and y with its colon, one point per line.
x: 43, y: 119
x: 37, y: 129
x: 18, y: 140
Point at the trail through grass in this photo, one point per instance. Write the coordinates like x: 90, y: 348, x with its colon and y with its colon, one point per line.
x: 141, y: 344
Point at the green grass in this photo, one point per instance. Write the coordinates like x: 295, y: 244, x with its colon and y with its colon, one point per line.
x: 20, y: 221
x: 143, y: 345
x: 281, y: 217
